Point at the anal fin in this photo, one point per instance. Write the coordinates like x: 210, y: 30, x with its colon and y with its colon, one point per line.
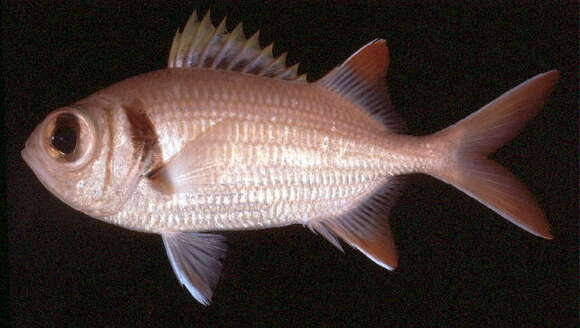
x: 366, y: 227
x: 195, y: 259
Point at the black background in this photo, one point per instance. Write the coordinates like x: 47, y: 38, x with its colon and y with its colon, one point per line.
x: 461, y: 265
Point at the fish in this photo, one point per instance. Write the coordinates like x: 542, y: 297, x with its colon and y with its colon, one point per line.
x: 230, y: 137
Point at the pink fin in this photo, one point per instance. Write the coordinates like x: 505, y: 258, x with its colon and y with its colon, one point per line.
x: 483, y: 132
x: 365, y: 227
x: 361, y: 79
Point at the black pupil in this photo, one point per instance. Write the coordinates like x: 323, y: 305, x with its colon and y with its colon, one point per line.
x: 64, y: 136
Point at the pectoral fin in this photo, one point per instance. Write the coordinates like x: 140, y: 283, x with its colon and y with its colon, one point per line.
x: 199, y: 163
x: 195, y: 258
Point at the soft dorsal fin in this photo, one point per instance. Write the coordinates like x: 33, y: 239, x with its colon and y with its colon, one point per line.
x: 202, y: 45
x: 361, y: 79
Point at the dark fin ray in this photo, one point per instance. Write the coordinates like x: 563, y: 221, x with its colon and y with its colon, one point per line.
x: 195, y: 259
x: 366, y: 227
x: 361, y: 79
x: 483, y: 132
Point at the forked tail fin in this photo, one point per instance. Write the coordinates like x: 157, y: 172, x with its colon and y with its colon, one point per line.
x: 483, y: 132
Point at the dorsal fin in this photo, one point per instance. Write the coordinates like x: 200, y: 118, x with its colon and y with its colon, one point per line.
x: 361, y: 79
x: 202, y: 45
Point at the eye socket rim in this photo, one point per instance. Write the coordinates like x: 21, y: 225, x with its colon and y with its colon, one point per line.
x: 85, y: 139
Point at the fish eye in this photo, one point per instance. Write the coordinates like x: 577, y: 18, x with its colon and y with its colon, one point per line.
x: 65, y: 134
x: 69, y: 137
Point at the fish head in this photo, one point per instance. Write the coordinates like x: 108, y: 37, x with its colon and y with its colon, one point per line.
x: 79, y: 155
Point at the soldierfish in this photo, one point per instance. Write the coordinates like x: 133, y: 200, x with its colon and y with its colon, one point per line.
x: 228, y: 137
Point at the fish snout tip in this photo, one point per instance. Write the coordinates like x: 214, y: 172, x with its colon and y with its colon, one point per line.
x: 24, y: 154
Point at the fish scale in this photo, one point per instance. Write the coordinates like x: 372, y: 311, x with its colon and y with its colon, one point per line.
x: 255, y: 140
x: 302, y: 148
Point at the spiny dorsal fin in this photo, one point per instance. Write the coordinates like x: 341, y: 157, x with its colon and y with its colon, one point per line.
x: 202, y: 45
x: 361, y: 79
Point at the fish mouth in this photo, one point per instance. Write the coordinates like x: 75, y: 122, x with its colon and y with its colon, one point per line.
x: 30, y: 159
x: 41, y: 173
x: 32, y: 162
x: 35, y: 166
x: 53, y: 185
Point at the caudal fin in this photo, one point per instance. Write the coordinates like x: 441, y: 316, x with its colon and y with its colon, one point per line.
x: 482, y: 133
